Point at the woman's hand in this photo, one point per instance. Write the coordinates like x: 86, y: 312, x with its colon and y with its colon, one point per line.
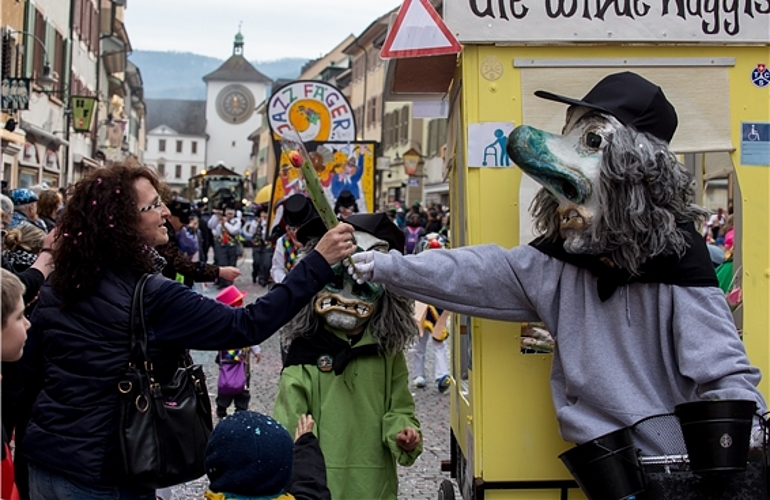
x: 337, y: 244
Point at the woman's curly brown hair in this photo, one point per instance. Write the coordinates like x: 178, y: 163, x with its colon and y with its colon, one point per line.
x: 98, y: 230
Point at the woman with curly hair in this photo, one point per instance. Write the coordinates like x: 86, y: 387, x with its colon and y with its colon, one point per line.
x: 79, y: 342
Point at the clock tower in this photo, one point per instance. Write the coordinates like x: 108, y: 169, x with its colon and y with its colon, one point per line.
x: 232, y: 93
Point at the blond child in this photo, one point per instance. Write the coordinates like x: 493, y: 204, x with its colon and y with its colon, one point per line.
x: 14, y: 334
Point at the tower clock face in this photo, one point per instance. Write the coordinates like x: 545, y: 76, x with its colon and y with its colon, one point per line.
x: 235, y: 104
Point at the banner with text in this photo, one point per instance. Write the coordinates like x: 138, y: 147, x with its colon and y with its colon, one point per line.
x: 607, y: 21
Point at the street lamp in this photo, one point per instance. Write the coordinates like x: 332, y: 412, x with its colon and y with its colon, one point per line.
x: 48, y: 79
x: 411, y: 161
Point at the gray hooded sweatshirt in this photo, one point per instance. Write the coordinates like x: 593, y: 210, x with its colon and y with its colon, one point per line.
x: 646, y: 349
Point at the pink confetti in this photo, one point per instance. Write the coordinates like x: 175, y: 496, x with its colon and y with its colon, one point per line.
x: 117, y: 191
x: 93, y: 202
x: 66, y: 235
x: 98, y: 180
x: 110, y: 225
x: 80, y: 233
x: 109, y: 217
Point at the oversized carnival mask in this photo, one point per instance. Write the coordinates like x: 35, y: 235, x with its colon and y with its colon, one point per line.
x: 611, y: 184
x: 568, y: 166
x: 344, y: 304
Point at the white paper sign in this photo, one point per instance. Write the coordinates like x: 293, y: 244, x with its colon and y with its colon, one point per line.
x: 486, y: 144
x: 670, y: 21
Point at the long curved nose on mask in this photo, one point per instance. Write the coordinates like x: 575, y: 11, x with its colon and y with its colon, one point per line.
x: 528, y: 149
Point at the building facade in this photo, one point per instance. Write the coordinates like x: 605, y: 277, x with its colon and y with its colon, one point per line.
x: 56, y: 53
x: 176, y: 140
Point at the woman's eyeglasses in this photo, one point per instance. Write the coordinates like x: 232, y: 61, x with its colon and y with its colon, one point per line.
x: 155, y: 206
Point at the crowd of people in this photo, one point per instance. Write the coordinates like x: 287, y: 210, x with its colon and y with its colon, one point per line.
x: 70, y: 264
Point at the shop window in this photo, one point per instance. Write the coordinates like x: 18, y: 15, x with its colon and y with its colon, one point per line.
x: 30, y: 154
x: 51, y: 160
x: 27, y: 178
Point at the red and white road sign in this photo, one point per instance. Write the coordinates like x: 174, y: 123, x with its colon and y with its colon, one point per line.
x: 419, y: 31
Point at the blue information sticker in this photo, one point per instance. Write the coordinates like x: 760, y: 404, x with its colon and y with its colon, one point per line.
x: 755, y: 144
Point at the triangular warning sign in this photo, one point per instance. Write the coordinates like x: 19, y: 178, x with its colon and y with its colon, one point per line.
x: 418, y: 31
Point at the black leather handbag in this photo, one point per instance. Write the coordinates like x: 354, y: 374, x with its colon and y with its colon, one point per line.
x: 163, y: 430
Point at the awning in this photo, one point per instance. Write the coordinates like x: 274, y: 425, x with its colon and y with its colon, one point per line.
x: 264, y: 194
x: 44, y: 135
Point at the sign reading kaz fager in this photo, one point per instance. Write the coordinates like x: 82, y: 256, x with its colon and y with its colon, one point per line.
x: 317, y: 110
x: 693, y: 21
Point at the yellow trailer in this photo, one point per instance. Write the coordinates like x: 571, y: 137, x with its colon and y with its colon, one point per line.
x: 711, y: 64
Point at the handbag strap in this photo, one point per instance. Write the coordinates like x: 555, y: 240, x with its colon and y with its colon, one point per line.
x: 138, y: 335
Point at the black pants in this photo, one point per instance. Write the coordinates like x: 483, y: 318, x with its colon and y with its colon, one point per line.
x: 225, y: 400
x: 261, y: 261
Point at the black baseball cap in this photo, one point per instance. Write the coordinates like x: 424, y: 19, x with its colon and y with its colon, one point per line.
x: 631, y: 99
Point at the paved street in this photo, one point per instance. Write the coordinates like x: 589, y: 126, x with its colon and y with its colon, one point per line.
x: 421, y: 481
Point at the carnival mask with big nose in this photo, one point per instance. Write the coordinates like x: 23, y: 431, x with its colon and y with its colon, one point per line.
x: 344, y: 304
x: 568, y: 166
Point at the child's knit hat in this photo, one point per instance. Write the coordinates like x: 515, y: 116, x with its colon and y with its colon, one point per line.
x: 249, y: 454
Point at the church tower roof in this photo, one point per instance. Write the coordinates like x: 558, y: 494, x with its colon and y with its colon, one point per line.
x: 237, y: 68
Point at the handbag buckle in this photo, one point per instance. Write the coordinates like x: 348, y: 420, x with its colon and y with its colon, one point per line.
x: 139, y: 399
x: 125, y: 386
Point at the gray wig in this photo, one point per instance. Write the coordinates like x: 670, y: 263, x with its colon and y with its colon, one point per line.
x: 645, y: 193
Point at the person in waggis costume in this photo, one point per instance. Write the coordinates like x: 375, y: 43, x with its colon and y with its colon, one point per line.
x: 346, y: 367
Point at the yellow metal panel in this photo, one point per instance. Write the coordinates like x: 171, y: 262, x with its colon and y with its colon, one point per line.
x: 510, y: 390
x: 574, y: 494
x: 750, y: 104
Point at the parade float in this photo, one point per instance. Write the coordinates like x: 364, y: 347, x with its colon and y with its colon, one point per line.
x: 710, y: 58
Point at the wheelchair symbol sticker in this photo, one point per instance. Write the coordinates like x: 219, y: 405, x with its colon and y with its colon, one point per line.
x: 760, y: 76
x: 755, y: 144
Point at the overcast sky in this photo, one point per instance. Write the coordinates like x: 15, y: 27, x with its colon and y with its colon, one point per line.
x: 272, y: 29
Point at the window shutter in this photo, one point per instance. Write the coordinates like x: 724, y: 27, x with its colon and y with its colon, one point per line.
x: 29, y: 42
x: 95, y: 29
x: 76, y: 16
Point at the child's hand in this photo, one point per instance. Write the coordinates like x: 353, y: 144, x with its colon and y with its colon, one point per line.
x: 304, y: 425
x: 408, y: 439
x: 258, y: 356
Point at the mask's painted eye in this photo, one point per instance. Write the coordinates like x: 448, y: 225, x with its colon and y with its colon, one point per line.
x: 593, y: 140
